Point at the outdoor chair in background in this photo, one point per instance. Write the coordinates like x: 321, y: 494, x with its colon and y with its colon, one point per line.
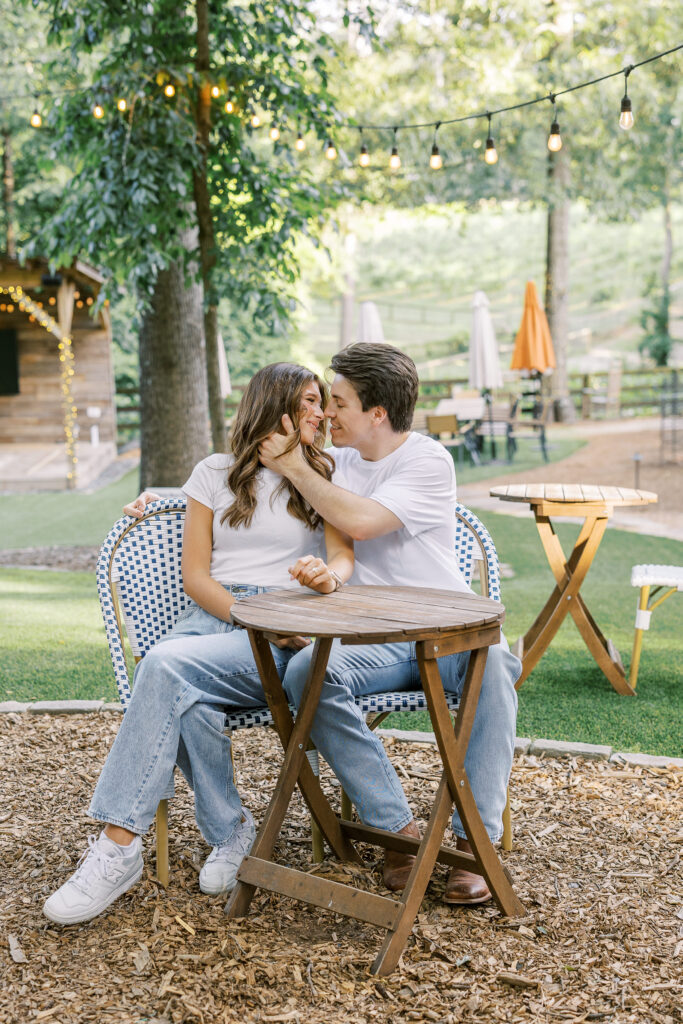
x: 139, y: 582
x: 534, y: 423
x: 498, y: 423
x: 666, y: 578
x: 453, y: 434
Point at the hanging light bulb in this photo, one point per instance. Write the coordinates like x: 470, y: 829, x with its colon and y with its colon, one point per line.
x: 300, y: 143
x: 255, y: 121
x: 98, y: 111
x: 626, y: 115
x: 229, y: 107
x: 121, y: 105
x: 274, y: 133
x: 215, y: 91
x: 554, y: 139
x: 394, y: 159
x: 363, y: 155
x: 330, y: 150
x: 490, y: 153
x: 169, y: 90
x: 36, y: 119
x: 435, y: 161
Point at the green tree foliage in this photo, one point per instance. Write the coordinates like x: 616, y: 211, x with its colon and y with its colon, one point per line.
x: 131, y: 194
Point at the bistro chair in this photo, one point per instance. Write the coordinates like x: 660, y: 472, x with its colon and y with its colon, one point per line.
x: 139, y: 582
x: 656, y: 583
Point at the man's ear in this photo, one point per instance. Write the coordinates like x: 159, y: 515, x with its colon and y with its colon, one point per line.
x: 379, y: 415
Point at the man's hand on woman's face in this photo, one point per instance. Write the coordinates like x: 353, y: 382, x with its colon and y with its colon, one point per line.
x: 272, y: 452
x: 136, y: 509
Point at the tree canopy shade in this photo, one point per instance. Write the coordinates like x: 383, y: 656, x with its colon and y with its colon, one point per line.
x: 184, y: 158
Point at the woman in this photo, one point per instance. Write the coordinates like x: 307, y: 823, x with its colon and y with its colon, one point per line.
x: 246, y: 530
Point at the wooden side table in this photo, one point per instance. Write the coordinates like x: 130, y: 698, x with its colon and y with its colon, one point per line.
x: 441, y: 623
x: 594, y: 505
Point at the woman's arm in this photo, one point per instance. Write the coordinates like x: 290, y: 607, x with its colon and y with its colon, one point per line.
x: 197, y: 545
x: 315, y: 573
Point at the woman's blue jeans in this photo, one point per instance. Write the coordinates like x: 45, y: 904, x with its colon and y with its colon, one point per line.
x: 182, y: 688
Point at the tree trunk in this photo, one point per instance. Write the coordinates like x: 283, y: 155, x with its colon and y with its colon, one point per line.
x: 174, y: 432
x: 207, y: 242
x: 8, y: 195
x: 557, y: 279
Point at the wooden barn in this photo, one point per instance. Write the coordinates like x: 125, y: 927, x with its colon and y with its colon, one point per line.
x: 57, y: 404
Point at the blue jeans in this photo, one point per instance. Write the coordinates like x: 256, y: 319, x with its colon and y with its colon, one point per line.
x: 182, y: 688
x: 357, y: 755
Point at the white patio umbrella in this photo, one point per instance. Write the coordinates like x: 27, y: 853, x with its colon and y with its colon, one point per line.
x: 369, y: 323
x: 485, y: 373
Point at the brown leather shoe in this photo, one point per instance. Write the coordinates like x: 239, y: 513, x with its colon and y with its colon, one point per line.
x: 397, y: 866
x: 464, y: 886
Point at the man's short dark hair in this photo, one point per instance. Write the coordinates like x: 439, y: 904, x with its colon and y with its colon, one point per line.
x: 381, y: 375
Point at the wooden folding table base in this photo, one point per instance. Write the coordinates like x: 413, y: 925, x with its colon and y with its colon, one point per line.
x: 594, y: 505
x: 396, y: 916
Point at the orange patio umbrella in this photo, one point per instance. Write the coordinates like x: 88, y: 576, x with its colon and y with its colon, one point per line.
x: 533, y: 349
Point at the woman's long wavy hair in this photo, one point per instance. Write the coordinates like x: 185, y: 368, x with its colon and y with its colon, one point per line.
x: 272, y: 392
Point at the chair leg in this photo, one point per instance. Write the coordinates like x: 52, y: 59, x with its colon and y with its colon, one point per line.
x: 642, y: 623
x: 506, y: 841
x: 346, y: 806
x: 317, y: 846
x: 162, y: 842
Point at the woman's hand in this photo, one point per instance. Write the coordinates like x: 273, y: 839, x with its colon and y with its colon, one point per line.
x: 136, y: 509
x: 313, y: 572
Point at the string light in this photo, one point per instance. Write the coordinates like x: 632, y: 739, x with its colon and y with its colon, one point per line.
x: 394, y: 159
x: 554, y: 138
x: 36, y: 119
x: 300, y: 143
x: 255, y: 121
x: 274, y: 133
x: 66, y: 360
x: 490, y: 153
x: 363, y: 156
x: 435, y: 161
x: 122, y: 105
x: 98, y: 111
x: 169, y: 90
x: 330, y: 151
x: 215, y: 91
x: 229, y: 107
x: 626, y: 115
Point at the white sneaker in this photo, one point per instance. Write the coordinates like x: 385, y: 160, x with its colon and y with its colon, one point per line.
x: 219, y: 873
x: 103, y: 874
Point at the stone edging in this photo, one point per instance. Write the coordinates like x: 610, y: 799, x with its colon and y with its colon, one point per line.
x: 551, y: 748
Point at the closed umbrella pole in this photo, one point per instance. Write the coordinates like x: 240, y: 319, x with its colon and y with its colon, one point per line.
x: 484, y: 372
x: 370, y: 324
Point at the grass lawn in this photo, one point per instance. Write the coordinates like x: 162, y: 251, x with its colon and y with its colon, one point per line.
x: 63, y: 517
x: 53, y: 645
x: 527, y: 456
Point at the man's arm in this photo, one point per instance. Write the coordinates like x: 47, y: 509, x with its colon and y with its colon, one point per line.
x: 360, y: 518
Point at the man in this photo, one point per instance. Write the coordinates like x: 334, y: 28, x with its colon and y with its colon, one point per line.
x: 394, y: 494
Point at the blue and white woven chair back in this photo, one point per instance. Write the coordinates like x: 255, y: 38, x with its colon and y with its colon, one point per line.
x: 476, y: 552
x: 139, y: 582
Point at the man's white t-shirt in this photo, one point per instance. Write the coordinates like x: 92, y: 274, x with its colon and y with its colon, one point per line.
x: 262, y: 553
x: 417, y: 483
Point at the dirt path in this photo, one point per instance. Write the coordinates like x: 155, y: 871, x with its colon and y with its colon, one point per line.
x: 607, y: 458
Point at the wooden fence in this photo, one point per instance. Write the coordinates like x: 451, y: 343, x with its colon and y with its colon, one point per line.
x: 639, y: 395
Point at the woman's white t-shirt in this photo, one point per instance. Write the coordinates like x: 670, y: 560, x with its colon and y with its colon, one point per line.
x: 261, y: 553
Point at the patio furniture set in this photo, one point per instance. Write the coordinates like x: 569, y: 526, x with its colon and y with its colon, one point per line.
x: 140, y: 587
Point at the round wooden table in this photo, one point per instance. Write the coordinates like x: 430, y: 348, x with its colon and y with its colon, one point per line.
x: 441, y: 623
x: 594, y: 505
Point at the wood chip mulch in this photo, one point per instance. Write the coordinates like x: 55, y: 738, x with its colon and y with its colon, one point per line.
x: 597, y: 862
